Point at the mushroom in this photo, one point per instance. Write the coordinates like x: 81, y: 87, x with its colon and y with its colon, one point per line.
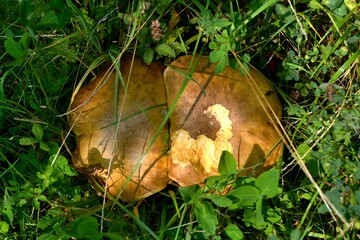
x: 219, y: 112
x: 215, y: 112
x: 130, y: 171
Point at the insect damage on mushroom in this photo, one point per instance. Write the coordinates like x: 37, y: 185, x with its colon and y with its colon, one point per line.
x: 202, y: 152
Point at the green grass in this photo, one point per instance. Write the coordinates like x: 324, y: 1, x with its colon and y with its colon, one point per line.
x: 309, y: 50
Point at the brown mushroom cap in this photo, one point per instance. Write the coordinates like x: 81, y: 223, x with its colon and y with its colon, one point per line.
x: 100, y: 139
x: 255, y: 142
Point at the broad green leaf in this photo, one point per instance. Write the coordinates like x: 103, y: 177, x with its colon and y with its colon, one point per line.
x: 216, y: 56
x: 302, y: 149
x: 13, y: 48
x: 227, y: 163
x: 4, y: 227
x: 8, y: 213
x: 314, y: 4
x: 37, y: 131
x: 220, y: 66
x: 281, y: 9
x: 84, y: 227
x: 213, y: 180
x: 234, y: 232
x: 213, y: 45
x: 268, y: 182
x: 48, y: 20
x: 341, y: 11
x: 42, y: 198
x: 26, y: 141
x: 62, y: 163
x: 219, y: 200
x: 190, y: 194
x: 24, y: 42
x: 332, y: 4
x: 273, y: 215
x: 220, y: 23
x: 206, y: 216
x: 44, y: 146
x: 246, y: 195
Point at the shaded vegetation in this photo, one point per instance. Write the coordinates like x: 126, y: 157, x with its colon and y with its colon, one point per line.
x: 310, y: 51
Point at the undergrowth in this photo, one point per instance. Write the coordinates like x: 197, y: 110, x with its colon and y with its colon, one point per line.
x: 308, y: 49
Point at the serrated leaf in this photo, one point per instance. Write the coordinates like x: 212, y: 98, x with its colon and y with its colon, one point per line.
x: 219, y: 200
x: 234, y: 232
x: 37, y: 131
x: 246, y: 195
x: 206, y: 216
x: 148, y: 56
x: 227, y: 163
x: 165, y: 50
x: 27, y: 141
x: 268, y: 182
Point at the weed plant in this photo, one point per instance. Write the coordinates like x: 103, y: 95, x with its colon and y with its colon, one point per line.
x: 308, y: 48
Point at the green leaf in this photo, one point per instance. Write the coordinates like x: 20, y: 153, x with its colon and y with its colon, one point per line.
x: 216, y: 56
x: 281, y: 9
x: 219, y: 200
x: 8, y: 213
x: 227, y: 163
x: 220, y: 23
x: 234, y: 232
x: 148, y: 56
x: 302, y: 149
x: 44, y: 146
x: 37, y: 131
x: 13, y: 48
x: 268, y: 182
x: 205, y: 214
x: 4, y: 227
x: 24, y: 42
x: 26, y: 141
x: 42, y: 198
x: 246, y: 195
x: 165, y: 50
x: 259, y: 217
x: 84, y: 228
x: 191, y: 194
x: 48, y: 20
x: 220, y: 66
x: 213, y: 45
